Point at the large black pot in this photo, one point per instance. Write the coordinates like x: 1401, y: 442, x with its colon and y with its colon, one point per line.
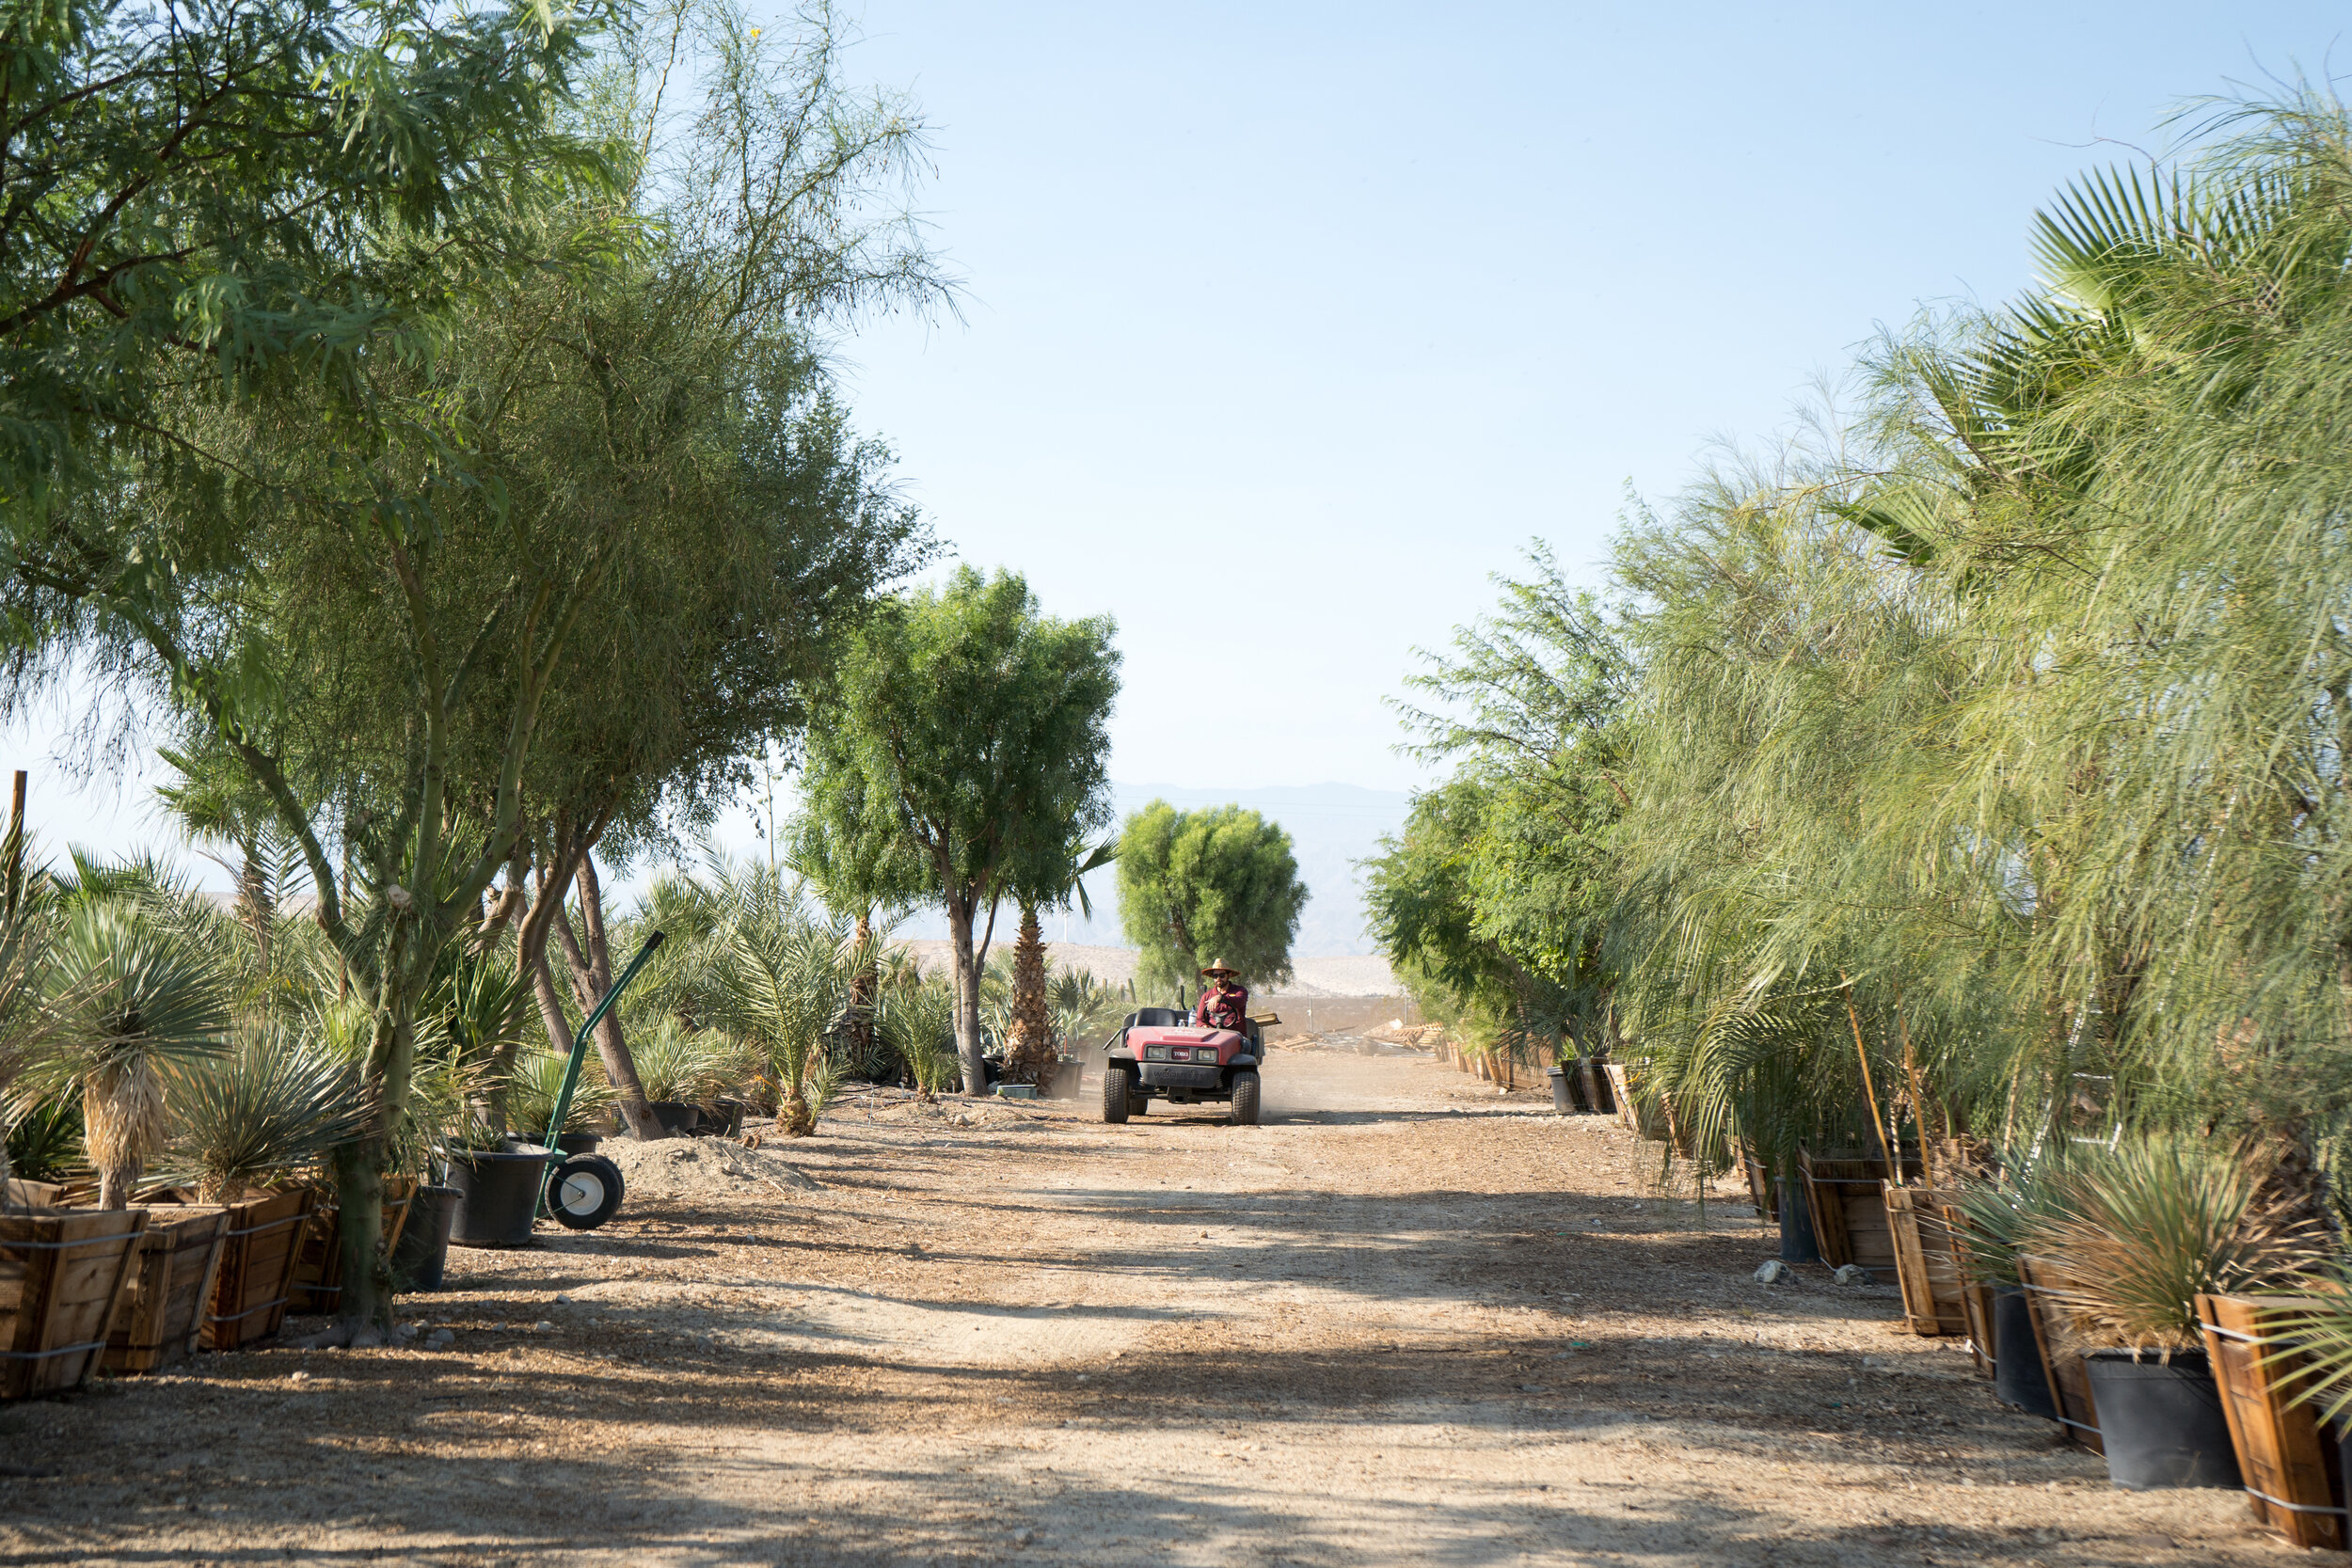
x: 678, y: 1117
x: 2019, y: 1379
x: 423, y: 1249
x: 2161, y: 1422
x: 498, y: 1194
x: 578, y: 1143
x: 1798, y: 1243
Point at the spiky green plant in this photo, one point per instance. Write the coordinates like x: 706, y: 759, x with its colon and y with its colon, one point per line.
x: 45, y: 1139
x: 132, y: 1001
x: 918, y: 1019
x: 675, y: 1063
x: 273, y: 1105
x: 2145, y: 1230
x: 537, y: 1077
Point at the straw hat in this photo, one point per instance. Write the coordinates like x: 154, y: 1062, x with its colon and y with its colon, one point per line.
x: 1220, y: 967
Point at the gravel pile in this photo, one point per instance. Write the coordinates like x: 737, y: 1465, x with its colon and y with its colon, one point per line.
x: 701, y: 1167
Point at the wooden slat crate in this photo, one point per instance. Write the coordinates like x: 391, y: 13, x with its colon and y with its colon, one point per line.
x: 253, y: 1286
x: 1646, y: 1117
x: 1596, y: 1080
x: 161, y: 1314
x: 1846, y: 1194
x: 62, y: 1274
x: 1761, y: 1192
x: 1975, y: 1294
x: 2294, y: 1467
x: 2070, y: 1380
x: 318, y: 1275
x: 1924, y: 1263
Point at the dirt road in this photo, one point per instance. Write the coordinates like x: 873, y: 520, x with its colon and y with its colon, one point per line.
x: 1409, y: 1321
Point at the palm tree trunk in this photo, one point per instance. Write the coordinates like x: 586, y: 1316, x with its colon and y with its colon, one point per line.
x: 1029, y: 1054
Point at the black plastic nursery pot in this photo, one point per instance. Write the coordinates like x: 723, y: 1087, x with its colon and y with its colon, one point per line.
x: 1798, y: 1243
x: 424, y: 1250
x: 2019, y: 1379
x: 1562, y: 1101
x: 497, y: 1196
x: 2161, y: 1421
x: 678, y: 1117
x: 577, y: 1143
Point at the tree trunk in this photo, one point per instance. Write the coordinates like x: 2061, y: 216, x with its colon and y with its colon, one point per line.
x: 1029, y: 1054
x: 967, y: 998
x: 592, y: 976
x: 864, y: 987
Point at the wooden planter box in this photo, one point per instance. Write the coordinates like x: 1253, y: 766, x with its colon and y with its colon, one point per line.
x: 2070, y: 1383
x: 1594, y: 1078
x: 1925, y: 1265
x: 318, y: 1274
x: 2294, y: 1467
x: 1646, y: 1119
x: 1975, y: 1294
x: 161, y: 1314
x: 1845, y: 1192
x: 62, y: 1276
x: 253, y: 1286
x: 1760, y: 1191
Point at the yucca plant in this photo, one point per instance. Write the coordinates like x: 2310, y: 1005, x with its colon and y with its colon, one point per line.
x: 273, y: 1104
x: 536, y: 1079
x: 678, y: 1064
x: 2003, y: 1213
x: 45, y: 1139
x: 130, y: 1003
x: 2144, y: 1231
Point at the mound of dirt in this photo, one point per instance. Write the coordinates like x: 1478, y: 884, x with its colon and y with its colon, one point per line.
x: 956, y: 1113
x: 701, y: 1168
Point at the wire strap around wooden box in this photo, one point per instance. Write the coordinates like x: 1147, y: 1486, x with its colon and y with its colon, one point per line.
x: 2244, y: 1338
x: 2298, y: 1508
x: 240, y: 1317
x: 45, y: 1355
x: 109, y: 1238
x: 268, y: 1226
x: 2078, y: 1426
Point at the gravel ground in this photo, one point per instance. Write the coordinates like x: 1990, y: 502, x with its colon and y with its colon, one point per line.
x: 1410, y: 1319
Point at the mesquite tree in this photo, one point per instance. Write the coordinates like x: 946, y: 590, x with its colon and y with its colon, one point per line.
x: 976, y: 728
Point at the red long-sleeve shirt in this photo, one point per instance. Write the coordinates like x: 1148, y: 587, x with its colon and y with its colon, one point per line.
x: 1226, y: 1008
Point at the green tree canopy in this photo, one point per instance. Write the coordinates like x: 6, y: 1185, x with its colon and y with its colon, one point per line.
x: 1196, y: 886
x: 974, y: 729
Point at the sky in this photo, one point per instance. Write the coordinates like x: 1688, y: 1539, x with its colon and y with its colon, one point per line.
x: 1285, y: 325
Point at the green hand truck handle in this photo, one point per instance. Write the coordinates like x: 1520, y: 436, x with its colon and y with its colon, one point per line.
x: 579, y: 1047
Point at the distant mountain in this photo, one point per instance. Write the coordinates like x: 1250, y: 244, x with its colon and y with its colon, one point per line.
x: 1331, y: 826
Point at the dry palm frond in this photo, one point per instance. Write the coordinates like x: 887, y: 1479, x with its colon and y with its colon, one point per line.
x: 271, y: 1105
x: 2164, y: 1218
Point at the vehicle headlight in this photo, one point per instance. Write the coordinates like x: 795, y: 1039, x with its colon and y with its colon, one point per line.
x: 1155, y: 1054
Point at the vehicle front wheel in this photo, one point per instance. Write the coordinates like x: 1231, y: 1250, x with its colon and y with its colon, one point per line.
x: 1115, y: 1082
x: 1244, y: 1099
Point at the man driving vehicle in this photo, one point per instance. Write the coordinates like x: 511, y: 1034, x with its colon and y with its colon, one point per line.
x: 1223, y: 1002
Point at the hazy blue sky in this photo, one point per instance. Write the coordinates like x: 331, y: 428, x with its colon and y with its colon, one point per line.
x: 1289, y: 323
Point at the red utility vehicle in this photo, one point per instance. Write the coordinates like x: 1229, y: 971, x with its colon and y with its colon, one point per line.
x: 1158, y: 1054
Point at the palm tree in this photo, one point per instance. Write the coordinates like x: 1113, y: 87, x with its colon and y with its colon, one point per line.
x: 1053, y: 879
x: 130, y: 1003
